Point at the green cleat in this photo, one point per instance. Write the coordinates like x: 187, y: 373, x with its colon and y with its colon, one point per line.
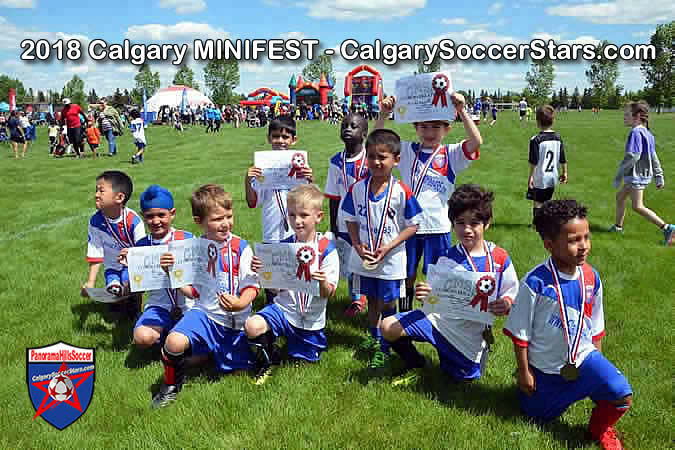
x: 380, y: 364
x: 408, y: 378
x: 369, y: 345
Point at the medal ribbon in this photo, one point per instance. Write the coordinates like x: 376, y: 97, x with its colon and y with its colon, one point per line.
x: 417, y: 187
x: 375, y: 244
x: 481, y: 297
x: 230, y: 268
x: 282, y: 208
x: 172, y: 293
x: 573, y: 347
x: 489, y: 262
x: 124, y: 229
x: 357, y: 175
x: 303, y: 298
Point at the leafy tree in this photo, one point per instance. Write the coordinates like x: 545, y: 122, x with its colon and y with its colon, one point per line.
x: 145, y: 78
x: 74, y: 90
x: 555, y: 102
x: 602, y: 76
x: 587, y: 99
x: 41, y: 97
x: 576, y: 98
x: 92, y: 97
x: 7, y: 83
x: 221, y: 77
x: 186, y: 77
x: 540, y: 80
x: 30, y: 97
x: 313, y: 70
x: 117, y: 98
x: 659, y: 71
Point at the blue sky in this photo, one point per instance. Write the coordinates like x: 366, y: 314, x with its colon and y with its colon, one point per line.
x: 330, y: 21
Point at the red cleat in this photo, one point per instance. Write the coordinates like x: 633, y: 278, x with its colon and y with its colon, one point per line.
x: 356, y: 307
x: 610, y: 441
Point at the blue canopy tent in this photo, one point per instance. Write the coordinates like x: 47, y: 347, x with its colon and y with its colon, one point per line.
x: 4, y: 107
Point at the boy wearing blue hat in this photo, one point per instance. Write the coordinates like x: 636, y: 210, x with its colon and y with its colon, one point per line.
x: 164, y: 307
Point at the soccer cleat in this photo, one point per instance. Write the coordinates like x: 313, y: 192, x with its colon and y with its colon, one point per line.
x: 261, y: 375
x: 369, y: 345
x: 408, y: 378
x: 356, y: 307
x: 668, y: 234
x: 166, y: 395
x: 610, y: 441
x: 380, y: 364
x: 615, y: 229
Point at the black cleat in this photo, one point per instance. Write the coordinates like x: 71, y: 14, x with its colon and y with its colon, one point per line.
x: 167, y: 394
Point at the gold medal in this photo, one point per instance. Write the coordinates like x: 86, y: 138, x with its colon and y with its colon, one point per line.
x: 488, y: 336
x: 569, y: 372
x: 369, y: 265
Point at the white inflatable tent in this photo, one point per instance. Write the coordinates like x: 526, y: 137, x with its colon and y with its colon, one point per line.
x: 172, y: 96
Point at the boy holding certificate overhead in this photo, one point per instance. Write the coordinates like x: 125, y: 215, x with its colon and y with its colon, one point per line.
x: 381, y: 214
x: 557, y: 324
x: 215, y: 323
x: 478, y: 276
x: 298, y: 316
x: 430, y: 169
x: 164, y: 307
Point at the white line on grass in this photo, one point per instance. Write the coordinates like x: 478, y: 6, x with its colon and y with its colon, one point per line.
x: 44, y: 226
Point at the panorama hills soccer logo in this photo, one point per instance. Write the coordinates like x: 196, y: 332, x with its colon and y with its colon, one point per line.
x: 60, y: 380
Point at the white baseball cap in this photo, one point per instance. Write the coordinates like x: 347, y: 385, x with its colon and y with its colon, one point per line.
x: 66, y: 101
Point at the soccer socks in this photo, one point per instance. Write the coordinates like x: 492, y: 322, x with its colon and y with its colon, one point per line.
x: 174, y: 368
x: 355, y: 296
x: 406, y: 349
x: 384, y: 344
x: 604, y: 416
x: 261, y: 346
x: 405, y: 304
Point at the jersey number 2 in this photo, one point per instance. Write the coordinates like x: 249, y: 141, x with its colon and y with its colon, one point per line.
x: 549, y: 161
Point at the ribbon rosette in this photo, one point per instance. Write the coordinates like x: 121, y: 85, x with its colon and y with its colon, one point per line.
x: 297, y: 164
x: 213, y: 256
x: 485, y: 287
x: 440, y: 84
x: 305, y: 257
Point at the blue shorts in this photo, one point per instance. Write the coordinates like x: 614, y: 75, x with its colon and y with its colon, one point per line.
x: 302, y: 344
x: 454, y: 363
x: 229, y: 347
x: 598, y: 379
x: 119, y: 276
x: 139, y: 145
x: 433, y: 245
x: 156, y: 316
x: 385, y: 290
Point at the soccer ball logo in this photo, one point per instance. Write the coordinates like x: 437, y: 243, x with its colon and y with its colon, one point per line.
x: 486, y: 286
x: 298, y: 160
x: 440, y: 82
x: 305, y: 255
x: 60, y: 388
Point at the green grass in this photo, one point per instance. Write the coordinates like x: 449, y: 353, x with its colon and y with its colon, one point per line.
x: 45, y: 206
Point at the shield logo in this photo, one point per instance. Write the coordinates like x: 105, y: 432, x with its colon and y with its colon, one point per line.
x: 60, y: 380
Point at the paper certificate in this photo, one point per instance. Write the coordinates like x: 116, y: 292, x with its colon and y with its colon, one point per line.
x: 289, y: 266
x: 424, y: 97
x: 460, y: 294
x: 196, y: 261
x: 281, y: 169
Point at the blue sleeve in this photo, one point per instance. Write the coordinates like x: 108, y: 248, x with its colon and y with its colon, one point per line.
x: 348, y: 204
x: 412, y: 208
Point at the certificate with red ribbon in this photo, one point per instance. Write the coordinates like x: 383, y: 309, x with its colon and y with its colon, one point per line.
x: 460, y: 294
x: 281, y: 169
x: 289, y: 266
x: 424, y: 97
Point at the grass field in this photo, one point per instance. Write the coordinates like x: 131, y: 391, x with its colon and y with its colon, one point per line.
x: 46, y: 204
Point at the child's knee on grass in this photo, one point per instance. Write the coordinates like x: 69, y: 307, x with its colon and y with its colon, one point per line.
x: 146, y: 336
x: 177, y: 343
x: 255, y: 326
x: 391, y: 329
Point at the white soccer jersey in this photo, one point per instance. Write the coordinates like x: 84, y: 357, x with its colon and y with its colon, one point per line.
x: 163, y: 297
x: 465, y: 335
x: 301, y: 310
x: 342, y: 173
x: 403, y: 212
x: 274, y: 206
x: 522, y: 105
x: 433, y: 189
x: 138, y: 130
x: 107, y: 237
x: 239, y: 252
x: 535, y: 320
x: 546, y: 151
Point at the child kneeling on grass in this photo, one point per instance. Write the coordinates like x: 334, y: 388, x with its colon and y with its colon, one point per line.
x: 557, y: 324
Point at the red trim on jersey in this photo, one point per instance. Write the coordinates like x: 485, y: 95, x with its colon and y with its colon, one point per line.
x: 178, y: 235
x: 470, y: 156
x: 599, y: 336
x: 332, y: 197
x: 130, y: 226
x: 406, y: 189
x: 195, y: 292
x: 589, y: 279
x: 518, y: 342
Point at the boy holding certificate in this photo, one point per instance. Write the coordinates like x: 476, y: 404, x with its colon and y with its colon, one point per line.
x: 461, y: 343
x: 557, y: 324
x: 430, y: 169
x: 281, y: 134
x: 215, y: 323
x: 346, y: 168
x: 381, y: 214
x: 113, y: 228
x: 164, y: 307
x: 298, y: 316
